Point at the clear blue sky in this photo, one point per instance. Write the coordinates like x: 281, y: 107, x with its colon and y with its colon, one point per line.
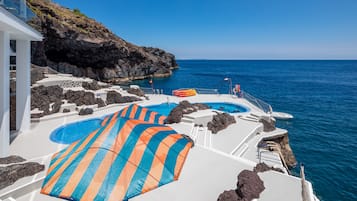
x: 233, y: 29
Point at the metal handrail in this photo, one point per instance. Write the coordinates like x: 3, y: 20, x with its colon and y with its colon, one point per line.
x: 265, y: 107
x: 206, y: 91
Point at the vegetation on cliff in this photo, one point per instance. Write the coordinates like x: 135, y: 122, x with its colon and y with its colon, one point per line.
x: 76, y: 44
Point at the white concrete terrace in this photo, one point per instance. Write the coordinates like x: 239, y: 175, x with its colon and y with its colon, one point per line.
x: 13, y: 28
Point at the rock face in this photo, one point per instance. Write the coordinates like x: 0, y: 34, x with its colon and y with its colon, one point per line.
x: 114, y: 97
x: 282, y: 141
x: 220, y: 121
x: 9, y: 174
x: 76, y: 44
x: 184, y: 107
x: 249, y: 187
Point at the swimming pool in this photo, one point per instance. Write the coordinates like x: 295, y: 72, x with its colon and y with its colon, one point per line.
x: 165, y: 108
x: 74, y: 131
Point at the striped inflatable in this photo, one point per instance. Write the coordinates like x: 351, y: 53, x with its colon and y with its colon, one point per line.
x: 122, y: 159
x: 137, y: 112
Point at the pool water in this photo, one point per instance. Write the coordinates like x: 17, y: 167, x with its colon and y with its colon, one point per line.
x: 227, y: 107
x: 165, y: 108
x: 70, y: 133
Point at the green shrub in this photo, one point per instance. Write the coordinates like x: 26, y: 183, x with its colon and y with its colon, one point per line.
x: 78, y: 12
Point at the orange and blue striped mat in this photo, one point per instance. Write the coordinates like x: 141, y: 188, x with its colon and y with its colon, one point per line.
x: 135, y: 111
x: 122, y: 159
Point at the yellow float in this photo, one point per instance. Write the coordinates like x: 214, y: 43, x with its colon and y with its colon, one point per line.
x: 184, y: 92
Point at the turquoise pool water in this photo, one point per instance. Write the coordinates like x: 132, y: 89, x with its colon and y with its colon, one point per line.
x: 72, y: 132
x: 165, y: 108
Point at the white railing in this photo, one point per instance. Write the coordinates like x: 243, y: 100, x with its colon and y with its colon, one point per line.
x: 206, y: 91
x: 265, y: 107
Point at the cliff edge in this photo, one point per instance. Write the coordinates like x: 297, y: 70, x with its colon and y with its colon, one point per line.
x: 76, y: 44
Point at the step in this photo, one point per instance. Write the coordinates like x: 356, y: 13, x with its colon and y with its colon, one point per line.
x: 241, y: 150
x: 188, y: 116
x: 187, y: 120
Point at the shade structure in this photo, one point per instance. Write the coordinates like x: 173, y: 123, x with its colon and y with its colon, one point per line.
x: 135, y: 111
x: 120, y: 160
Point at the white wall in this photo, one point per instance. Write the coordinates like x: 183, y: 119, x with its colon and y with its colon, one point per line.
x: 4, y: 93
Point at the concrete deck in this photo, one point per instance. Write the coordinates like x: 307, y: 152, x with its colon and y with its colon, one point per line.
x: 207, y: 172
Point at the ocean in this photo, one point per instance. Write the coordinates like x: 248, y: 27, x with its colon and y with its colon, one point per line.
x: 322, y: 96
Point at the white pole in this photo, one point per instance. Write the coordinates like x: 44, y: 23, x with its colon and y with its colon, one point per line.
x: 23, y: 82
x: 4, y: 94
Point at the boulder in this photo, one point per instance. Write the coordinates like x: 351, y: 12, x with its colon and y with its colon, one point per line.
x: 80, y: 97
x: 249, y: 185
x: 268, y: 123
x: 100, y: 102
x: 86, y: 111
x: 136, y: 91
x: 114, y: 97
x: 11, y: 173
x: 42, y: 97
x: 94, y: 86
x: 220, y: 121
x: 230, y: 195
x: 184, y: 107
x: 56, y: 107
x: 11, y: 159
x: 262, y: 167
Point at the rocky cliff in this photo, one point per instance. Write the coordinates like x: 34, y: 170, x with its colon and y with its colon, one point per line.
x: 76, y: 44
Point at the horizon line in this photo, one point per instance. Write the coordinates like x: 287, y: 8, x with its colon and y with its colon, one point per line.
x: 272, y: 59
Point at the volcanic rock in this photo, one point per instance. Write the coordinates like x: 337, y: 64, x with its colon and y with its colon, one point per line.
x: 56, y: 107
x: 86, y: 111
x: 136, y: 91
x: 115, y: 97
x: 230, y: 195
x: 42, y: 97
x: 76, y: 44
x: 37, y: 74
x: 11, y: 159
x: 13, y: 112
x: 10, y: 174
x: 262, y: 167
x: 92, y: 85
x: 80, y: 97
x: 184, y: 107
x: 268, y: 123
x: 220, y: 121
x: 283, y: 142
x: 100, y: 102
x: 249, y: 185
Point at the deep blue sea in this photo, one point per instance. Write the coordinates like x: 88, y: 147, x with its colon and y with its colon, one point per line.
x: 322, y: 96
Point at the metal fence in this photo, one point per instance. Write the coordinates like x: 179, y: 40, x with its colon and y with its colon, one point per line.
x: 257, y: 102
x: 206, y: 91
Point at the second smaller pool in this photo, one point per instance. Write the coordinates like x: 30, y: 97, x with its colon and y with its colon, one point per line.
x: 165, y: 108
x: 75, y: 131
